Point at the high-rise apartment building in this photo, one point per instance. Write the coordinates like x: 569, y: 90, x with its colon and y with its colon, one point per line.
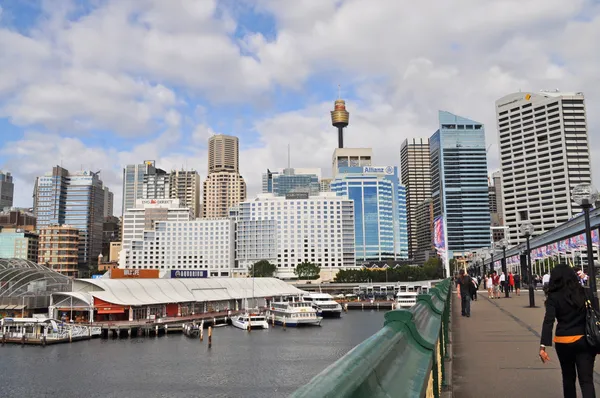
x: 283, y: 181
x: 379, y: 211
x: 185, y: 186
x: 416, y: 177
x: 459, y: 182
x: 495, y: 200
x: 325, y: 184
x: 59, y: 249
x: 544, y: 154
x: 133, y: 182
x: 300, y: 228
x: 108, y: 203
x: 224, y: 187
x: 6, y: 190
x: 156, y: 185
x: 75, y: 199
x: 223, y: 154
x: 18, y: 243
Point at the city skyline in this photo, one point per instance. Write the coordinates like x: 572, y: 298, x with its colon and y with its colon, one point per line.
x: 120, y: 110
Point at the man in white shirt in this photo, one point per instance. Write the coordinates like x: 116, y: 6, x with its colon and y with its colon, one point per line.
x: 545, y: 279
x: 502, y: 282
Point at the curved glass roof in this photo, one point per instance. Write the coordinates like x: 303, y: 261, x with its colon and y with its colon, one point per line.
x: 20, y: 277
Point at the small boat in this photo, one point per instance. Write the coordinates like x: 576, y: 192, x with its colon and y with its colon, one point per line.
x: 294, y: 312
x: 254, y: 320
x: 406, y: 299
x: 191, y: 330
x: 325, y: 305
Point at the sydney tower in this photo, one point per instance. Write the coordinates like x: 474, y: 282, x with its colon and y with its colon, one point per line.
x: 340, y: 118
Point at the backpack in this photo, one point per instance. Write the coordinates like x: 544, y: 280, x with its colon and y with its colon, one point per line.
x: 592, y: 322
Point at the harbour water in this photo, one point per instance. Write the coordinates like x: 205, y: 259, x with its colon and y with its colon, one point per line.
x: 263, y: 363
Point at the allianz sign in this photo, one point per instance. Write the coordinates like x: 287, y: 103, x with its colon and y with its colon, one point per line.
x: 389, y: 170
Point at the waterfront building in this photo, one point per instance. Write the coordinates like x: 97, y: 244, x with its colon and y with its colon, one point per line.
x: 164, y: 237
x: 224, y: 187
x: 351, y: 157
x: 75, y: 199
x: 59, y: 248
x: 18, y: 243
x: 146, y: 213
x: 379, y: 211
x: 7, y: 188
x: 185, y: 186
x: 424, y: 223
x: 280, y: 182
x: 325, y: 184
x: 14, y: 217
x: 544, y: 154
x: 298, y: 228
x: 459, y: 182
x: 108, y: 203
x: 416, y: 177
x: 133, y: 182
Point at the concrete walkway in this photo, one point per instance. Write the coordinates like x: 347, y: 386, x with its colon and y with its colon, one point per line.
x: 496, y: 350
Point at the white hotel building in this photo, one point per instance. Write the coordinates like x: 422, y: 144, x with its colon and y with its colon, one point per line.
x: 290, y: 230
x: 158, y: 234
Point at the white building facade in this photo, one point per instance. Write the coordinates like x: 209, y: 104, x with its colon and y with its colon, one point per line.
x: 160, y: 235
x: 544, y: 154
x: 288, y: 231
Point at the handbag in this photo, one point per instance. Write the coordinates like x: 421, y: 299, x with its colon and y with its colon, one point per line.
x: 592, y: 325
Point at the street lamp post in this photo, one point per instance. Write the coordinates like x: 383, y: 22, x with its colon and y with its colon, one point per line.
x: 503, y: 243
x: 585, y: 195
x: 527, y: 229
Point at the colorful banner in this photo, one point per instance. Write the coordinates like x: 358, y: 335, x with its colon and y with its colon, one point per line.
x: 595, y: 237
x: 439, y: 237
x: 563, y: 246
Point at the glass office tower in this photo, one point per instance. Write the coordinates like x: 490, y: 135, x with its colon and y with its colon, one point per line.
x: 459, y: 182
x: 379, y: 211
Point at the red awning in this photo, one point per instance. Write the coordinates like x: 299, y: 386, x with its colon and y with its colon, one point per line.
x: 104, y: 307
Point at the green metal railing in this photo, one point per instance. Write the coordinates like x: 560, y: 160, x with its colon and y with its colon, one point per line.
x: 404, y: 359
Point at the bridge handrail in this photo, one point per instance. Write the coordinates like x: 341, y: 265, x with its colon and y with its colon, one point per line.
x: 404, y: 359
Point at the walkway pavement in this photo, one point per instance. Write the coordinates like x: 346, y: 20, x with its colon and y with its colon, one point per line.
x: 496, y: 350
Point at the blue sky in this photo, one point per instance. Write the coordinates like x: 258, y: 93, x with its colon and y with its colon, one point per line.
x: 105, y: 83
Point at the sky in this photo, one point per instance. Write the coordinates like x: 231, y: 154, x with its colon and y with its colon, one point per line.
x: 100, y: 84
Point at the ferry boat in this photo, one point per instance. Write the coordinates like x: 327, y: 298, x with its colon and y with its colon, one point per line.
x: 294, y: 313
x: 253, y: 319
x: 325, y: 305
x: 406, y: 299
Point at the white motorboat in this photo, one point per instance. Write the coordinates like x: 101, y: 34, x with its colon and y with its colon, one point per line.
x: 406, y: 299
x: 295, y: 312
x: 254, y: 320
x: 325, y: 305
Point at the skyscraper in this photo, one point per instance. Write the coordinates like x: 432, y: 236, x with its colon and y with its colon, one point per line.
x: 133, y: 182
x: 283, y: 181
x: 224, y: 187
x: 459, y: 183
x: 6, y: 190
x: 108, y: 202
x: 156, y: 185
x: 544, y: 153
x: 495, y: 200
x: 416, y: 177
x: 223, y: 153
x: 77, y: 200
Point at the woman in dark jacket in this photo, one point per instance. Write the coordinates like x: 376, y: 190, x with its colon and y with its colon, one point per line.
x: 566, y: 304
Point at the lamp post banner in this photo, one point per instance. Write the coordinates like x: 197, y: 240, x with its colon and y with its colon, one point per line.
x: 595, y: 237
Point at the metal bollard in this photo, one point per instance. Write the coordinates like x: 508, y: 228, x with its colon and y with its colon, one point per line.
x: 284, y: 323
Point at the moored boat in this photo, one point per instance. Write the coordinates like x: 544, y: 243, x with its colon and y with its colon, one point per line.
x: 295, y: 312
x: 324, y: 304
x: 252, y: 320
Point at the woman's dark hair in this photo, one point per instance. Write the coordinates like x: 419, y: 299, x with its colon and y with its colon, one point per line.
x: 563, y: 278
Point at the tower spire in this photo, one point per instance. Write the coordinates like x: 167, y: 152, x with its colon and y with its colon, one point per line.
x: 340, y: 118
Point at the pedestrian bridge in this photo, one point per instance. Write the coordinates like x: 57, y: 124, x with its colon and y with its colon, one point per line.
x: 431, y: 351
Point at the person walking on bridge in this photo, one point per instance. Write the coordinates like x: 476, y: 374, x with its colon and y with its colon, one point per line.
x: 465, y: 289
x: 566, y: 305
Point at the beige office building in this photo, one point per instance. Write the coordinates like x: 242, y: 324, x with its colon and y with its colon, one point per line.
x: 545, y: 153
x: 416, y: 177
x: 224, y: 187
x: 351, y: 157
